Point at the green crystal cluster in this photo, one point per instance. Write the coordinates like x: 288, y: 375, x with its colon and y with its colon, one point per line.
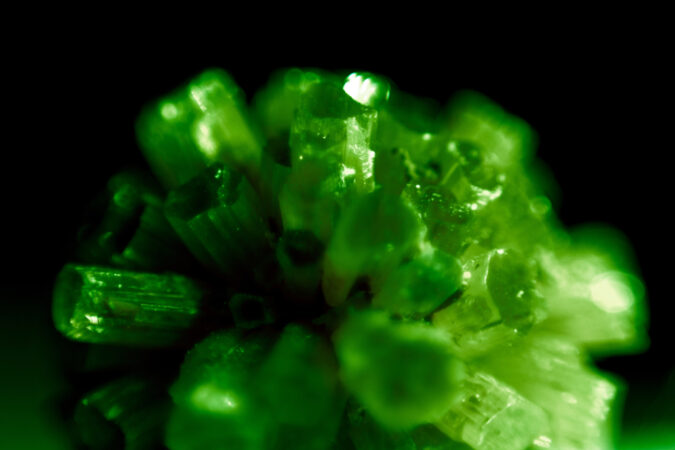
x: 376, y: 272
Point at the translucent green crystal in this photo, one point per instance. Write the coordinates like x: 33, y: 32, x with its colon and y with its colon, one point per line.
x: 127, y: 413
x: 393, y: 278
x: 594, y: 300
x: 499, y: 300
x: 507, y: 140
x: 550, y: 372
x: 217, y: 406
x: 218, y: 216
x: 132, y: 231
x: 370, y: 348
x: 421, y: 285
x: 375, y: 232
x: 114, y: 306
x: 308, y: 199
x: 299, y: 377
x: 329, y: 125
x: 491, y: 416
x: 275, y: 106
x: 301, y: 389
x: 203, y: 123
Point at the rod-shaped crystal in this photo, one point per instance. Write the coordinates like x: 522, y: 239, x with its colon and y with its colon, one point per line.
x: 103, y: 305
x: 375, y: 232
x: 218, y: 216
x: 199, y: 124
x: 331, y: 126
x: 275, y: 104
x: 308, y: 199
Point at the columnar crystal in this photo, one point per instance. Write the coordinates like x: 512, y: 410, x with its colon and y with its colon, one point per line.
x: 113, y: 306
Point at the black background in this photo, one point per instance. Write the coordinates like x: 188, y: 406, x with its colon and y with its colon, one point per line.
x: 596, y: 106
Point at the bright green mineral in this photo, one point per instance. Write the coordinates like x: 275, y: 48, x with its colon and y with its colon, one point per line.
x: 383, y: 273
x: 113, y: 306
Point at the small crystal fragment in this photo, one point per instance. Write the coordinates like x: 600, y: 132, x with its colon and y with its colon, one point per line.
x: 113, y: 306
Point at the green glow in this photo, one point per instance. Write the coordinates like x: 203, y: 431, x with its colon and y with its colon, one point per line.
x: 383, y: 273
x: 210, y: 398
x: 113, y: 306
x: 367, y: 89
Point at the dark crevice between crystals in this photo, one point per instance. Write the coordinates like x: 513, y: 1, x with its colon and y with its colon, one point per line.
x: 302, y: 247
x: 218, y: 184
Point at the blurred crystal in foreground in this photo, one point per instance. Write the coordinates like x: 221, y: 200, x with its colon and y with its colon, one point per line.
x: 390, y: 276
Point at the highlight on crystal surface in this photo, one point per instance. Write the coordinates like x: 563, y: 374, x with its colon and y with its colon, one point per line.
x: 352, y: 268
x: 114, y: 306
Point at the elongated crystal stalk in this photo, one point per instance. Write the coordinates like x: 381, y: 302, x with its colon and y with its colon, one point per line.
x: 114, y: 306
x: 331, y: 126
x: 198, y: 125
x: 373, y: 235
x: 219, y: 217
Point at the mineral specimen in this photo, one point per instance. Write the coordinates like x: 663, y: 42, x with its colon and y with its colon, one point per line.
x: 378, y: 273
